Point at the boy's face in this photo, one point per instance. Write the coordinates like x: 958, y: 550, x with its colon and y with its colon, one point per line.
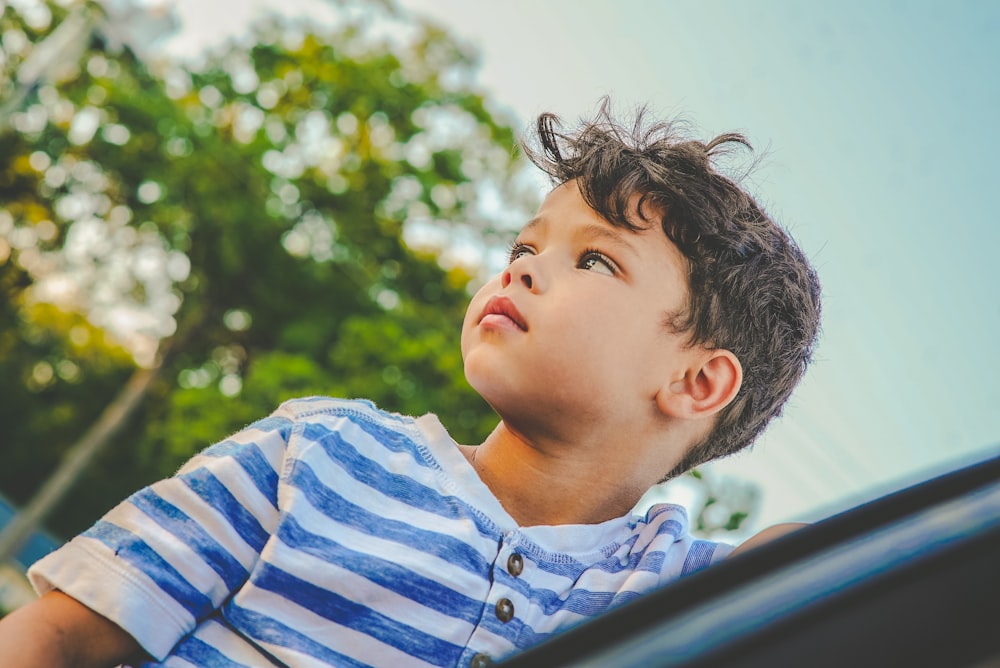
x: 574, y: 329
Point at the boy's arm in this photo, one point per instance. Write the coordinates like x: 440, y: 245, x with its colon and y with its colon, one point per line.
x: 766, y: 535
x: 57, y: 630
x: 171, y: 554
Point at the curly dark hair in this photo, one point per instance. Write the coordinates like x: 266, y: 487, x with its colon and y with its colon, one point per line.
x: 752, y: 291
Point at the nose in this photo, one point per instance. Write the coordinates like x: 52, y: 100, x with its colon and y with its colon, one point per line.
x: 519, y: 270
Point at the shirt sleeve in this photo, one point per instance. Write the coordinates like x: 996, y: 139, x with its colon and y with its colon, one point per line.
x: 169, y: 556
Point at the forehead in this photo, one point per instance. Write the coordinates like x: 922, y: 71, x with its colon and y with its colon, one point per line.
x: 564, y: 207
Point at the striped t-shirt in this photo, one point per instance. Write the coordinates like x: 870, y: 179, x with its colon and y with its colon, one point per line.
x: 335, y: 534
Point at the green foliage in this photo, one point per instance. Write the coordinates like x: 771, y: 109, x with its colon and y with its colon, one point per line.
x: 58, y: 371
x: 736, y: 521
x: 273, y: 216
x: 282, y: 207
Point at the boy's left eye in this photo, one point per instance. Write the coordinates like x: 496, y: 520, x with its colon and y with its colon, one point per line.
x: 599, y: 262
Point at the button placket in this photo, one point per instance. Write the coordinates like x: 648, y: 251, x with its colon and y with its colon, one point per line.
x: 515, y: 566
x: 490, y: 638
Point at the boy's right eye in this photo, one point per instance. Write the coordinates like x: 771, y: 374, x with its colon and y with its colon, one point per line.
x: 519, y: 250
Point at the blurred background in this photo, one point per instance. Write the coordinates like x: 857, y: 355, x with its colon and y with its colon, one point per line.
x: 207, y: 208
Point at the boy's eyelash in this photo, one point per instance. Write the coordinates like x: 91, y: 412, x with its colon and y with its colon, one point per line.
x: 517, y: 247
x: 612, y: 265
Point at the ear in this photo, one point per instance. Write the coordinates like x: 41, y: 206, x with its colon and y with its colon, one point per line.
x: 705, y: 388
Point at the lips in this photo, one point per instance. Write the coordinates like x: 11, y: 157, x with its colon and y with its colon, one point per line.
x: 501, y: 311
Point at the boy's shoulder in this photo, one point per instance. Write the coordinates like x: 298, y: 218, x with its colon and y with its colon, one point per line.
x: 311, y: 407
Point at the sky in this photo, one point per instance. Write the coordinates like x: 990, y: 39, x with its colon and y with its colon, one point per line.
x: 876, y: 126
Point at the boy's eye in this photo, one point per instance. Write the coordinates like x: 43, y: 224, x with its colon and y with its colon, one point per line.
x: 519, y: 250
x: 599, y: 262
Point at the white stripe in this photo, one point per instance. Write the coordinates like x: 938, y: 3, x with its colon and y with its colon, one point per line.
x: 189, y: 564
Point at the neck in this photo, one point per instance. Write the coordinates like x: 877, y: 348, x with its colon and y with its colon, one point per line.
x: 548, y: 482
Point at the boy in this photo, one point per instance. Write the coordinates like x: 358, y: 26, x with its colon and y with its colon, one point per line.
x: 651, y: 318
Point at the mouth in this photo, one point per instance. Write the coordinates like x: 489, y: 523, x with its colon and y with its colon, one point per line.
x: 501, y: 311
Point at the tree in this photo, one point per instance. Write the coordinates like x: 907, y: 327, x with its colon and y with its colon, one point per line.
x: 273, y: 222
x: 300, y: 214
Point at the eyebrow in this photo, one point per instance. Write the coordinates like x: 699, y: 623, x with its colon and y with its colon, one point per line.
x: 588, y: 232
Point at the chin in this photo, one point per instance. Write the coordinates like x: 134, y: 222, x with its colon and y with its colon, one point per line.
x: 492, y: 392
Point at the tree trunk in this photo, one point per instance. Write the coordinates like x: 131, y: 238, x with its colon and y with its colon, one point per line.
x: 79, y: 455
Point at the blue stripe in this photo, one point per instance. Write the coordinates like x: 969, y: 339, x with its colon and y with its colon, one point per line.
x: 398, y: 486
x: 651, y: 561
x: 698, y: 557
x: 516, y: 631
x: 336, y: 507
x: 204, y: 483
x: 522, y: 635
x: 200, y: 653
x: 354, y: 615
x: 250, y: 457
x: 177, y: 523
x: 282, y: 425
x: 392, y: 439
x: 672, y: 527
x: 387, y: 574
x: 580, y: 601
x: 623, y: 597
x: 143, y: 558
x: 268, y: 630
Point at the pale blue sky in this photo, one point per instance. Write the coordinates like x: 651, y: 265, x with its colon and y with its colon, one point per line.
x: 879, y: 120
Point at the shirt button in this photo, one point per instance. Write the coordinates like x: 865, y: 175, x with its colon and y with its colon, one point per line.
x: 515, y: 564
x: 505, y: 610
x: 481, y: 661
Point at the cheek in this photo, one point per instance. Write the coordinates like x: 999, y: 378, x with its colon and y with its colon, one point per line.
x: 612, y: 343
